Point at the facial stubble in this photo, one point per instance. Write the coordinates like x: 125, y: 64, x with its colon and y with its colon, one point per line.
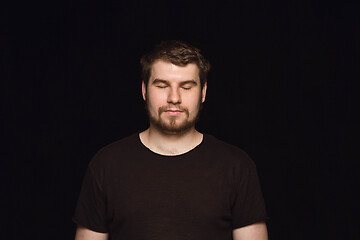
x: 170, y: 125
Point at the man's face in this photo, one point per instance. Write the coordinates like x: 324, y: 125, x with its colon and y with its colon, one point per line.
x: 173, y: 96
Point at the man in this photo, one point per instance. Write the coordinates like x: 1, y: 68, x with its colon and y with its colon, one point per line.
x: 171, y: 181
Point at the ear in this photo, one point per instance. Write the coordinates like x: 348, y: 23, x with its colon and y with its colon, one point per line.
x: 203, y: 92
x: 143, y: 90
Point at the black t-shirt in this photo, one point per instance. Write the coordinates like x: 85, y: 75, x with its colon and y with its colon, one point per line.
x: 133, y: 193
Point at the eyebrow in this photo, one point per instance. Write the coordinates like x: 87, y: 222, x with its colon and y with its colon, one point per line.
x: 191, y: 82
x: 158, y: 81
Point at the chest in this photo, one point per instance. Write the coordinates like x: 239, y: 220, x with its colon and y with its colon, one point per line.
x: 174, y: 194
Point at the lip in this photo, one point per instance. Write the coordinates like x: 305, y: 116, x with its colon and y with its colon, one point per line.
x: 173, y: 112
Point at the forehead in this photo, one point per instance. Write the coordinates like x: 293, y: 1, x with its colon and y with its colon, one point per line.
x: 168, y: 71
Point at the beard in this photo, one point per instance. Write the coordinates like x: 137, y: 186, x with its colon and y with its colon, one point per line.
x: 172, y: 124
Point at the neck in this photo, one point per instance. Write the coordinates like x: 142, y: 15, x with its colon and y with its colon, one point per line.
x: 170, y: 144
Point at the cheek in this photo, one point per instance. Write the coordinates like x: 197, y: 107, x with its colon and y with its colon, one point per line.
x: 155, y: 100
x: 195, y: 104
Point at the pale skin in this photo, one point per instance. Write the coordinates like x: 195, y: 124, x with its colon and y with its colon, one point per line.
x: 172, y: 86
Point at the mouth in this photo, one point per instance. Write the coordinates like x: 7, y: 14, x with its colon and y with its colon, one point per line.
x: 173, y: 112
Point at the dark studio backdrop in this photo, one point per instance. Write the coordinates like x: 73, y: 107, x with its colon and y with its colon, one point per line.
x: 282, y: 87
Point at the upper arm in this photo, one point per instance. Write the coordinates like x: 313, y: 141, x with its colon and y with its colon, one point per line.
x: 256, y: 231
x: 83, y: 233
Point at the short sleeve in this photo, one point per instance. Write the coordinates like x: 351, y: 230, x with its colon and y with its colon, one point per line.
x: 248, y: 206
x: 90, y: 211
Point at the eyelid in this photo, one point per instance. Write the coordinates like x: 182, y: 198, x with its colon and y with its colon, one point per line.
x: 161, y: 85
x: 186, y: 87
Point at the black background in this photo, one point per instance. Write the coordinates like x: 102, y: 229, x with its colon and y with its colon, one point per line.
x: 282, y: 87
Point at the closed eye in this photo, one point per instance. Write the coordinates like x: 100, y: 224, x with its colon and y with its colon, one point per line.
x: 160, y: 83
x: 161, y: 86
x: 186, y: 87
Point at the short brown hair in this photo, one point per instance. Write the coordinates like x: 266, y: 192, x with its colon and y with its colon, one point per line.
x: 178, y: 53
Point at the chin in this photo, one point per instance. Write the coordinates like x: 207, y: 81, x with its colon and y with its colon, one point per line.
x: 174, y: 129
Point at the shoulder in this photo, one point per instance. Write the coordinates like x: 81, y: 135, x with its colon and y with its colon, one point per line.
x: 115, y: 151
x: 217, y: 146
x: 220, y: 149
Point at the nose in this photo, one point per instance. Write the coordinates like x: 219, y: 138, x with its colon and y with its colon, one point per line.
x: 174, y: 96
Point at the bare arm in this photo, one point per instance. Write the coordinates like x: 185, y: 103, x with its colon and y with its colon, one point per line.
x: 256, y: 231
x: 87, y: 234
